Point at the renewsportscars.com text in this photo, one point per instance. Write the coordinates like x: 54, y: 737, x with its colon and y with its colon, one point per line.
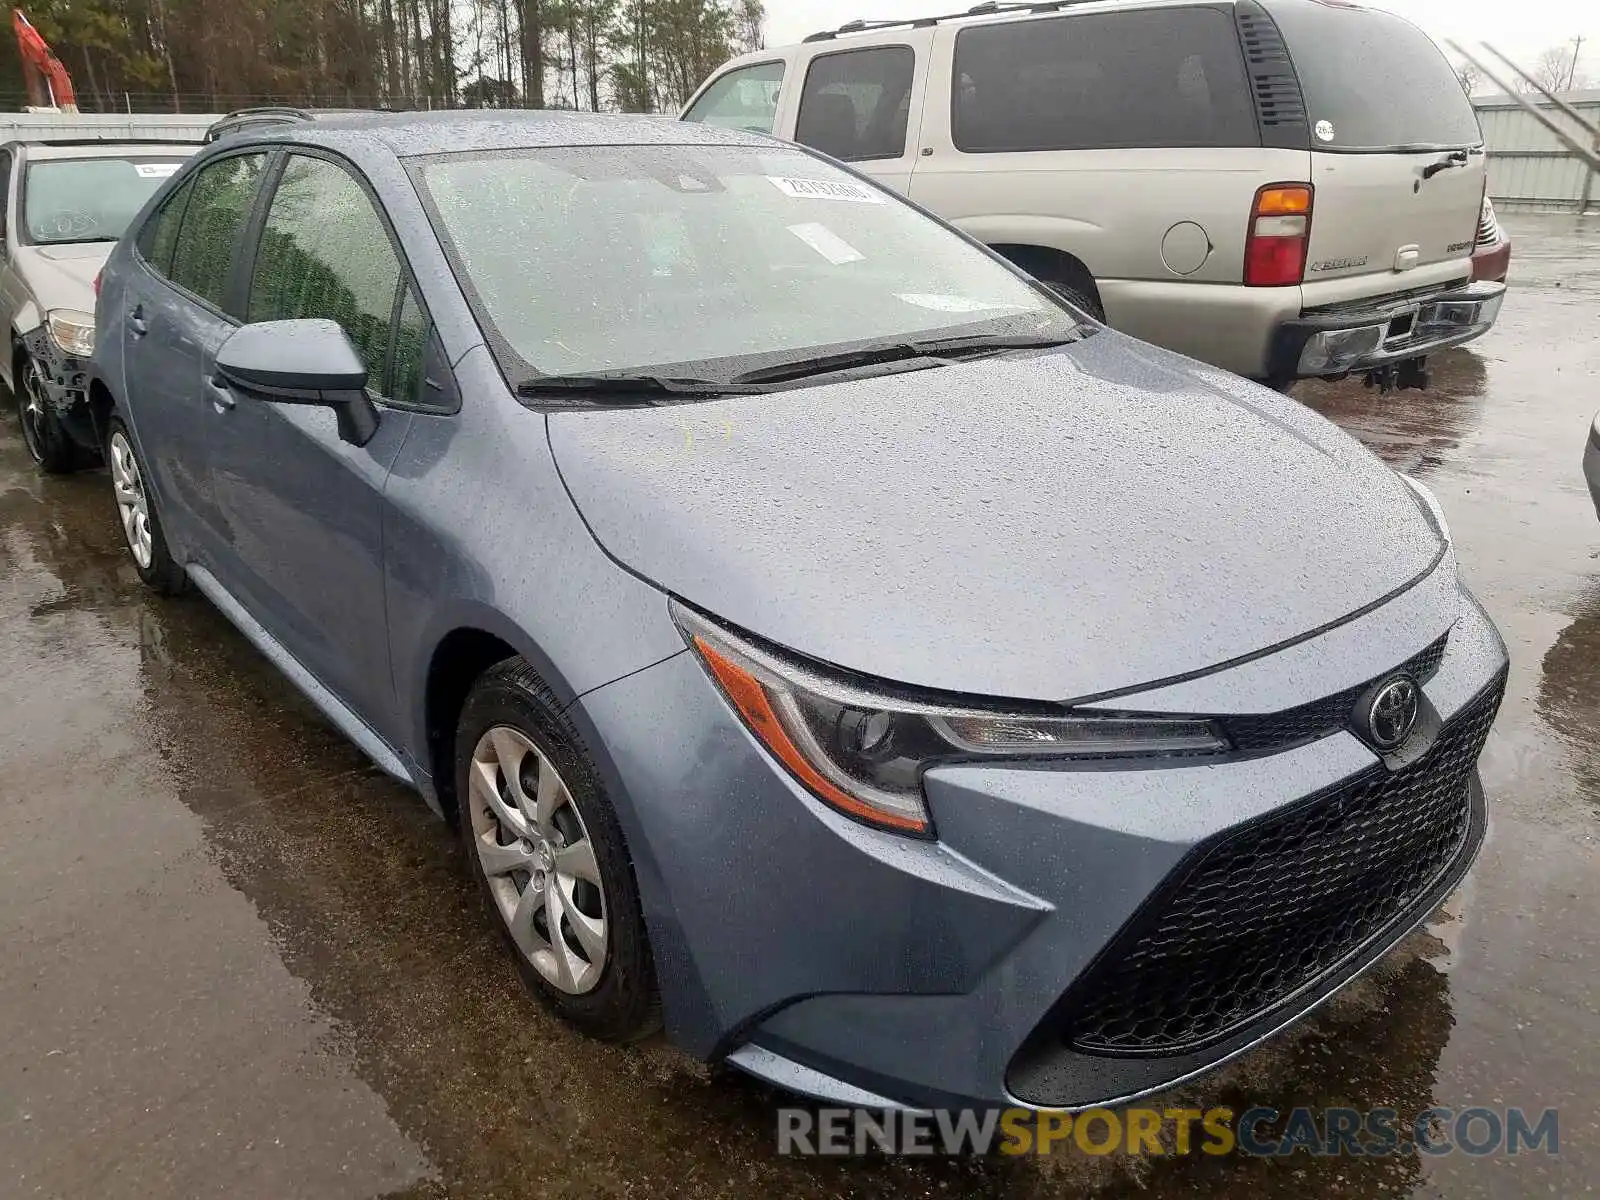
x: 1259, y: 1132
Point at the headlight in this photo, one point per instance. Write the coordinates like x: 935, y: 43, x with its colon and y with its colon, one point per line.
x: 863, y: 752
x: 1431, y: 507
x: 72, y: 331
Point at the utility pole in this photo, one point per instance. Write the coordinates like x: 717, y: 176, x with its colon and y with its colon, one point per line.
x: 1572, y: 71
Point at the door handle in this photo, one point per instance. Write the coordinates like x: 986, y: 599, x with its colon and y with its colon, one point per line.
x: 221, y: 398
x: 136, y: 322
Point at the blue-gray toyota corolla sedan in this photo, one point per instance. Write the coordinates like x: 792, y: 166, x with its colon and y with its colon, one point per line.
x: 828, y: 642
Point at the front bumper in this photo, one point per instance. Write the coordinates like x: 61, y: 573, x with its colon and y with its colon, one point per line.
x: 1345, y: 338
x: 66, y: 387
x: 1591, y: 464
x: 862, y: 968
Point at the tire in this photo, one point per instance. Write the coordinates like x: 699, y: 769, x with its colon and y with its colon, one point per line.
x: 137, y: 517
x: 511, y: 723
x: 49, y: 445
x: 1075, y: 295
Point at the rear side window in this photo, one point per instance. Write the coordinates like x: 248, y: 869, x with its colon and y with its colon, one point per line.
x: 325, y: 253
x: 219, y: 203
x: 1373, y: 81
x: 742, y: 99
x: 856, y: 105
x: 1154, y: 78
x: 160, y: 233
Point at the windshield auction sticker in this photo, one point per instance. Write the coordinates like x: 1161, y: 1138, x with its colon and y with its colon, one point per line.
x: 156, y: 170
x: 826, y: 189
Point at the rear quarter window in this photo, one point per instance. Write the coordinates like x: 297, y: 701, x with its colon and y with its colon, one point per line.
x: 1373, y: 81
x: 1152, y: 78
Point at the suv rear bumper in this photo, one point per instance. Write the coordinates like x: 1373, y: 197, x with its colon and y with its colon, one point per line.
x: 1335, y: 341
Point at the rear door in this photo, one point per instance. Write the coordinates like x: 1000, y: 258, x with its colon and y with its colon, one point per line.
x: 174, y: 320
x: 1397, y: 159
x: 863, y: 106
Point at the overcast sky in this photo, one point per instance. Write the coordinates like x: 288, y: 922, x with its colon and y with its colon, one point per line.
x: 1521, y: 28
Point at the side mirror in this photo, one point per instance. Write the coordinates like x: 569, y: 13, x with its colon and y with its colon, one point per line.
x: 302, y: 362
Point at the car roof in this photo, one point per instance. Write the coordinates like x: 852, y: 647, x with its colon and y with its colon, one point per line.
x: 990, y: 13
x: 419, y: 133
x: 97, y: 148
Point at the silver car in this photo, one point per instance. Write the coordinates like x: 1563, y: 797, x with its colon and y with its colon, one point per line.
x: 66, y: 204
x: 827, y: 641
x: 1284, y: 188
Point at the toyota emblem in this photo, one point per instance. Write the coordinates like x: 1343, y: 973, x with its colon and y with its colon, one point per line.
x: 1392, y: 713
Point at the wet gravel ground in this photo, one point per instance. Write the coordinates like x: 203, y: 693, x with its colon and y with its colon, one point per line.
x: 238, y: 962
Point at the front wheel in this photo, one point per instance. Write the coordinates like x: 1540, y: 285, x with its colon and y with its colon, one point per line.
x: 48, y: 443
x: 544, y: 844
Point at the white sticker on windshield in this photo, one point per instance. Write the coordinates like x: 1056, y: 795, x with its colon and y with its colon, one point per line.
x: 156, y: 170
x: 826, y: 189
x: 827, y: 243
x: 1324, y: 131
x: 949, y: 304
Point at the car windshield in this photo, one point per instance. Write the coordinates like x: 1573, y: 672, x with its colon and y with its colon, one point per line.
x: 706, y: 261
x: 89, y: 199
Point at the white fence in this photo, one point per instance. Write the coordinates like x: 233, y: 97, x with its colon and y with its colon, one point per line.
x: 1528, y: 166
x: 184, y: 127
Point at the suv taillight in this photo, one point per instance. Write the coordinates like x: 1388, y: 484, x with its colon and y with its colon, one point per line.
x: 1280, y: 231
x: 97, y: 275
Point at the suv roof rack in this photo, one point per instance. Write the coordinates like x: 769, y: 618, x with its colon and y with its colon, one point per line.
x: 989, y: 8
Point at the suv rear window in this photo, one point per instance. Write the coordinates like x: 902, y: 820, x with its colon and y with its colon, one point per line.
x: 1158, y: 77
x: 1373, y: 81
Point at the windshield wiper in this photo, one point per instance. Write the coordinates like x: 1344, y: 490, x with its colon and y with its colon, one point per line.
x: 630, y: 388
x: 888, y: 352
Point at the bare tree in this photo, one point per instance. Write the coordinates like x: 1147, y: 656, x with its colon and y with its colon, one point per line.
x: 1554, y: 70
x: 1468, y: 76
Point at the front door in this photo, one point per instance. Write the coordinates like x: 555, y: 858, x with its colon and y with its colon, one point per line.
x: 173, y: 319
x: 303, y: 508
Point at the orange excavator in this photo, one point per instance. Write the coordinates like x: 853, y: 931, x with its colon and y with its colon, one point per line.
x: 49, y: 85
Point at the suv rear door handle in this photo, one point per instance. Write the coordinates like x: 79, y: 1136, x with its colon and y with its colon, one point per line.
x: 136, y: 323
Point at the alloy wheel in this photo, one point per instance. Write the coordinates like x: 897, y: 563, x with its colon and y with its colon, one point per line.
x: 539, y: 860
x: 133, y: 506
x: 32, y: 411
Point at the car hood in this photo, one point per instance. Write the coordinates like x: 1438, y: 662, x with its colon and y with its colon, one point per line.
x: 1054, y: 526
x: 63, y: 276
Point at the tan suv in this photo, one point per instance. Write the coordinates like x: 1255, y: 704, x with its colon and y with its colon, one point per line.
x: 1285, y: 188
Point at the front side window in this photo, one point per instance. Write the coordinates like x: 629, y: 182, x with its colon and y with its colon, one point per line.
x: 1162, y: 77
x: 742, y: 99
x: 856, y: 105
x: 701, y: 261
x: 88, y: 199
x: 325, y: 253
x: 219, y: 204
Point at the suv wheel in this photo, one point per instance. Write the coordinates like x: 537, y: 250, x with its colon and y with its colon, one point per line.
x: 136, y: 513
x: 543, y: 842
x: 49, y: 445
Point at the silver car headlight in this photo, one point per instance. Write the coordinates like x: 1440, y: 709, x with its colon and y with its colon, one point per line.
x: 1431, y: 508
x: 863, y: 752
x: 72, y: 331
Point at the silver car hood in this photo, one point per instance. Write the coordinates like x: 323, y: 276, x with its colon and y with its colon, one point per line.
x: 63, y: 276
x: 1052, y: 527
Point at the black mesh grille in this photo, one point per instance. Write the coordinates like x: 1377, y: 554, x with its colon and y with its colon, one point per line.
x: 1265, y: 912
x: 1280, y: 730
